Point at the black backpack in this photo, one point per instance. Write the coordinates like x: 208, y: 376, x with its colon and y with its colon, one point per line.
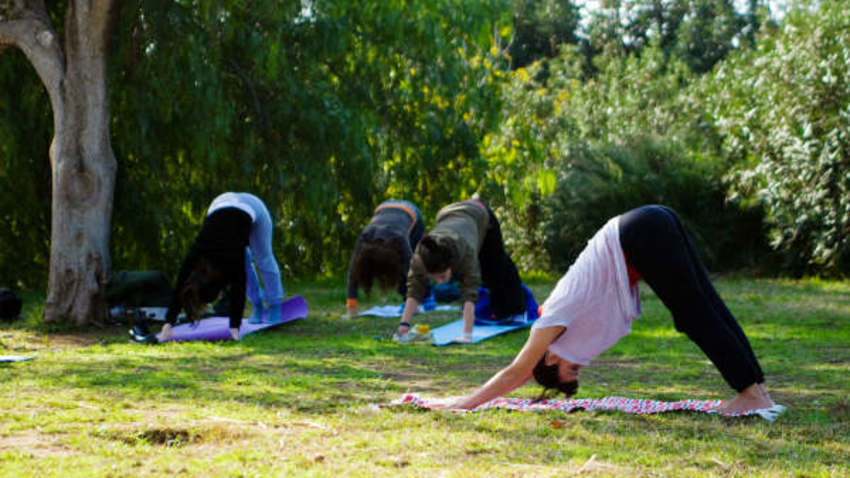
x: 10, y: 304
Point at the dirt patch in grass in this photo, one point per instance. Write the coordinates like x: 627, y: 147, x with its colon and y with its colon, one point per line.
x: 841, y: 411
x: 169, y: 437
x: 196, y: 434
x: 76, y: 340
x: 33, y: 340
x: 34, y: 444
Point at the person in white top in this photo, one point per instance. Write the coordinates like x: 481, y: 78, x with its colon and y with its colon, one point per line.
x: 594, y: 303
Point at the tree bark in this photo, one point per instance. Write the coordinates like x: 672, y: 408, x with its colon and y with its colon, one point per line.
x: 83, y: 166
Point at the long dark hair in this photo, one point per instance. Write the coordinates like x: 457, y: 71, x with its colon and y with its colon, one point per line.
x: 435, y: 255
x: 547, y: 375
x: 381, y: 260
x: 202, y: 286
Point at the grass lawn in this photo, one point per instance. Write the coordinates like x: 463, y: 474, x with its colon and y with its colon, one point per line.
x: 296, y: 401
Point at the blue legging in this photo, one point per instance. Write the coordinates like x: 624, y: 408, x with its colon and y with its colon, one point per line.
x: 658, y: 247
x: 259, y: 252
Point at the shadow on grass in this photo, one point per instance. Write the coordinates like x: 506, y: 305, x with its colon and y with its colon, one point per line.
x: 674, y: 441
x: 288, y: 367
x: 298, y: 366
x: 325, y: 363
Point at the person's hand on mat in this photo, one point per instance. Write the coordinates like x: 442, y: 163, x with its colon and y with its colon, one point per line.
x: 411, y: 305
x: 451, y: 403
x: 468, y: 321
x: 464, y: 339
x: 234, y: 333
x: 351, y: 312
x: 166, y: 333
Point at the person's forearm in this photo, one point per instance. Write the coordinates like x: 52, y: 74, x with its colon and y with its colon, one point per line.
x: 411, y: 305
x: 468, y: 318
x: 176, y: 303
x: 237, y: 302
x: 503, y: 382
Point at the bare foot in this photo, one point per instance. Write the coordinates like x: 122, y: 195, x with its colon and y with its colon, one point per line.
x: 754, y: 397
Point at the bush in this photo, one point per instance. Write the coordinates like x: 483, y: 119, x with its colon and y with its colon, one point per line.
x: 599, y: 183
x: 784, y: 111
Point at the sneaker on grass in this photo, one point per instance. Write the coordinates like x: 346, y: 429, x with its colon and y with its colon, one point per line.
x: 413, y: 336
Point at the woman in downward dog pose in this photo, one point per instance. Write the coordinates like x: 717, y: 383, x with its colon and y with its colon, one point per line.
x: 236, y: 233
x: 465, y: 243
x: 383, y: 250
x: 594, y: 303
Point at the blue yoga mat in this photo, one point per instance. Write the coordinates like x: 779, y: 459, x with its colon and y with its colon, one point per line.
x: 446, y: 334
x: 395, y: 310
x: 485, y: 327
x: 14, y: 358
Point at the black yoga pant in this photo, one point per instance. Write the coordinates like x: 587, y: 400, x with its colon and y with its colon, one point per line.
x: 499, y: 273
x: 658, y: 247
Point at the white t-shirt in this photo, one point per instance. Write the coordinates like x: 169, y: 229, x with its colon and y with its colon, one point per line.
x: 593, y: 300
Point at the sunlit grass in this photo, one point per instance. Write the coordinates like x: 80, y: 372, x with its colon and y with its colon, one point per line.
x: 297, y: 401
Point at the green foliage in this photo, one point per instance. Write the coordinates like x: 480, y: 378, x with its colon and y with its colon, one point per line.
x: 540, y: 27
x: 599, y: 183
x: 708, y: 33
x: 326, y: 108
x: 698, y: 32
x: 322, y: 111
x: 784, y: 109
x: 571, y: 154
x: 26, y: 123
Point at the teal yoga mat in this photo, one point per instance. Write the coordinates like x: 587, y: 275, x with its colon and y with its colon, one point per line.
x: 446, y: 334
x: 14, y: 358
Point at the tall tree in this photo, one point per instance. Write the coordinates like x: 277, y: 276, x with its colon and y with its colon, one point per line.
x: 322, y: 111
x: 711, y: 29
x: 701, y: 32
x: 540, y: 26
x: 83, y: 166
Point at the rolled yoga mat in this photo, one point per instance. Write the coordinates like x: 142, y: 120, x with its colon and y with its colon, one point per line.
x: 213, y: 329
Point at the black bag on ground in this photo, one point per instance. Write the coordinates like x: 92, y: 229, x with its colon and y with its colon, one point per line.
x: 138, y: 289
x: 128, y: 291
x: 10, y: 304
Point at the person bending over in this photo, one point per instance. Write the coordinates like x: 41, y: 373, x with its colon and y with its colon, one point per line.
x: 383, y: 250
x: 594, y: 303
x: 465, y: 243
x: 237, y: 231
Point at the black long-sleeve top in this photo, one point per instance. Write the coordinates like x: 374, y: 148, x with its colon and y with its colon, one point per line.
x: 389, y: 223
x: 222, y: 242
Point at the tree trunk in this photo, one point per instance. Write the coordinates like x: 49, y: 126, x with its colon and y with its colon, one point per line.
x: 83, y: 174
x: 83, y: 165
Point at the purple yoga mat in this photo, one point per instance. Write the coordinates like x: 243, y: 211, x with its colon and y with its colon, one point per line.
x: 213, y: 329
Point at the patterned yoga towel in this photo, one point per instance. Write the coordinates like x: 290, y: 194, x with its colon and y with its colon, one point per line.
x: 628, y: 405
